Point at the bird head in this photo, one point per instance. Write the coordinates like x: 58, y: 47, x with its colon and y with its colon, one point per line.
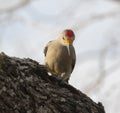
x: 67, y: 38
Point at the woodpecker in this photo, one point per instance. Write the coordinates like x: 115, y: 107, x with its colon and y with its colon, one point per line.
x: 60, y: 55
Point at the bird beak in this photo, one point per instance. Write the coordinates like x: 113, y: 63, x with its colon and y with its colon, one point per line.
x: 68, y: 42
x: 68, y: 48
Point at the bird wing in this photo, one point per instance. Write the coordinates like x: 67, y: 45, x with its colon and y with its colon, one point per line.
x: 46, y: 48
x: 73, y: 61
x: 73, y: 64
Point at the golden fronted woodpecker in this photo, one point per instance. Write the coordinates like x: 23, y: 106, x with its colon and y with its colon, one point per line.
x: 60, y: 55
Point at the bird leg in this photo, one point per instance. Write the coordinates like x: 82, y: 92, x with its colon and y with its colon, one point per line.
x: 65, y: 77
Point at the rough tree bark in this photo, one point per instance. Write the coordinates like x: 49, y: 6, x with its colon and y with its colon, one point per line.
x: 25, y: 87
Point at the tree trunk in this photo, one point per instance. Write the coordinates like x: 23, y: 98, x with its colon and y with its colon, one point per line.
x: 25, y: 87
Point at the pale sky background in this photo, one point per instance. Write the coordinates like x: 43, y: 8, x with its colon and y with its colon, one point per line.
x: 25, y: 31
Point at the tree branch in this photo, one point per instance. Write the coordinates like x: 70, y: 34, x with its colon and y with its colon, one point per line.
x: 21, y: 4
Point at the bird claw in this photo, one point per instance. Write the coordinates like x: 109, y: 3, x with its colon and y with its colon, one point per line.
x: 63, y: 75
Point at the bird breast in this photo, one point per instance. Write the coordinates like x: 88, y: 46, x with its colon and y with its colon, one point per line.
x: 57, y: 56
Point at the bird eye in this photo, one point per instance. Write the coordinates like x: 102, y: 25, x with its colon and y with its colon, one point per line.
x: 63, y: 38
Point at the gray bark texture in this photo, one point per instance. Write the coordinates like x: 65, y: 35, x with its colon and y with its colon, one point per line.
x: 25, y: 87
